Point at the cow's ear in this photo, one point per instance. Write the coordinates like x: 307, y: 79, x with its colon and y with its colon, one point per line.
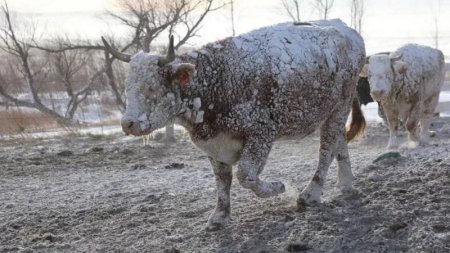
x: 400, y: 67
x: 183, y: 73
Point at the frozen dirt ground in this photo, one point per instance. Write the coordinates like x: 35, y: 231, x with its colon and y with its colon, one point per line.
x: 112, y: 194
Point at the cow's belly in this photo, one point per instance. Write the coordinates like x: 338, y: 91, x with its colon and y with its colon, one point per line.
x: 223, y: 148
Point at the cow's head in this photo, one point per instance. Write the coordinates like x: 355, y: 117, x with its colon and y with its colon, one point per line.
x: 382, y: 70
x: 153, y: 87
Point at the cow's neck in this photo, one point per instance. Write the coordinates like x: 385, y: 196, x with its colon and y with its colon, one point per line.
x: 192, y: 111
x: 205, y: 101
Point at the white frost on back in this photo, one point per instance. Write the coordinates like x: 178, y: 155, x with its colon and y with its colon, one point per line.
x: 424, y: 63
x: 290, y: 48
x: 424, y: 70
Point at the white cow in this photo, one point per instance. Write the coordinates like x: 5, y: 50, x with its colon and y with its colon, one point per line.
x: 407, y: 82
x: 235, y: 97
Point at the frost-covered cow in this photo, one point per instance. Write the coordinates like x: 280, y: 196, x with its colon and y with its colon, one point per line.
x: 237, y: 96
x: 407, y: 83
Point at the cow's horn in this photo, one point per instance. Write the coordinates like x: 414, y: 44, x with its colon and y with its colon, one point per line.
x: 170, y: 50
x: 170, y: 53
x: 119, y: 55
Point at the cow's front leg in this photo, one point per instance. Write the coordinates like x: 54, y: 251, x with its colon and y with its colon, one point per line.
x: 392, y: 118
x: 251, y: 164
x: 221, y: 215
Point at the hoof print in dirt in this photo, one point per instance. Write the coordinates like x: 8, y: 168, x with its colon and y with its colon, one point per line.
x: 297, y: 247
x: 174, y: 166
x: 65, y: 153
x: 127, y: 152
x: 172, y: 250
x: 388, y: 155
x: 138, y: 166
x: 47, y: 237
x: 96, y: 150
x: 397, y: 226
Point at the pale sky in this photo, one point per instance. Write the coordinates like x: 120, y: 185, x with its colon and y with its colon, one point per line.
x: 59, y: 5
x: 387, y: 24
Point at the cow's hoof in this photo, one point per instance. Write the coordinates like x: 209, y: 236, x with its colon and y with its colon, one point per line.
x: 270, y: 189
x: 217, y: 221
x: 414, y: 144
x: 308, y: 198
x: 345, y: 188
x: 211, y: 227
x: 302, y: 206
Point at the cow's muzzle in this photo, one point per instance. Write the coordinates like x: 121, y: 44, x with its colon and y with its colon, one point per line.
x: 131, y: 127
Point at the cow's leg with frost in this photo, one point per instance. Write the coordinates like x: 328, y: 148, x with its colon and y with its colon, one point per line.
x: 253, y: 158
x: 392, y: 119
x: 425, y: 121
x: 331, y: 134
x: 221, y: 215
x: 412, y: 125
x: 345, y: 175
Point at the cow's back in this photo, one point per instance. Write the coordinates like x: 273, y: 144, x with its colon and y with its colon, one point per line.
x: 426, y: 67
x: 286, y: 76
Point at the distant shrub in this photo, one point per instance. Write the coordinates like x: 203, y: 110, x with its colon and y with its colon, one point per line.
x: 17, y: 121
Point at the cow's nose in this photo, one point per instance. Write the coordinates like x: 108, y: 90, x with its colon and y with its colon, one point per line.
x: 377, y: 94
x: 127, y: 126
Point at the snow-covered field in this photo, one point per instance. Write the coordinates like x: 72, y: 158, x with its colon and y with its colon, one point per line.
x: 109, y: 193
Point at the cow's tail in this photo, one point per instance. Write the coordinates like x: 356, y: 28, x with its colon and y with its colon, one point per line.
x: 358, y: 123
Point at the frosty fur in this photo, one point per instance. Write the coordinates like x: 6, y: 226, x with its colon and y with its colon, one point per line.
x: 245, y: 92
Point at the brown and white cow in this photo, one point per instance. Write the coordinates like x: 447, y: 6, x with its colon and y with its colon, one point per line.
x: 407, y: 83
x: 237, y: 96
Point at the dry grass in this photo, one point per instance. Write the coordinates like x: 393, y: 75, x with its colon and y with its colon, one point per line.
x: 15, y: 121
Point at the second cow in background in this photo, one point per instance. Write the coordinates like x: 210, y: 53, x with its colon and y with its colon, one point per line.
x: 407, y: 83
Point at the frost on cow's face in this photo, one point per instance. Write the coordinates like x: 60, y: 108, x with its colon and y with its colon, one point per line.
x: 151, y: 104
x: 380, y: 76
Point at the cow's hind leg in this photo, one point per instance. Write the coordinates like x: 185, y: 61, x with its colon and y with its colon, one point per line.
x: 253, y: 159
x: 412, y: 124
x: 345, y: 175
x: 426, y: 118
x: 331, y: 134
x: 221, y: 215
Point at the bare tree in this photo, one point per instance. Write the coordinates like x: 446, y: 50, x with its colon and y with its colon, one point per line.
x: 76, y: 71
x: 42, y: 73
x: 356, y: 14
x: 292, y: 9
x: 149, y: 18
x: 110, y: 67
x: 436, y: 13
x: 323, y: 7
x: 21, y: 51
x: 233, y: 28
